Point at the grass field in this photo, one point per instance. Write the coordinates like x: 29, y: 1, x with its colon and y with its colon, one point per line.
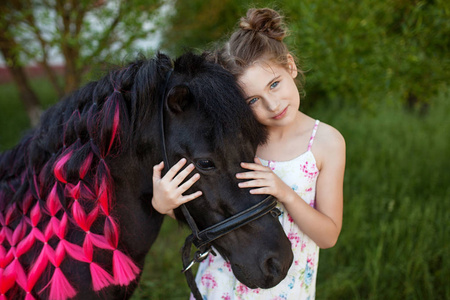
x: 395, y: 241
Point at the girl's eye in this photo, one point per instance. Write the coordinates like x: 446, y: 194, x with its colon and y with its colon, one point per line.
x: 252, y: 101
x: 274, y: 85
x: 205, y: 164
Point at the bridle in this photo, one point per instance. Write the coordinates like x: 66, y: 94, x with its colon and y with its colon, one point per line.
x: 202, y: 239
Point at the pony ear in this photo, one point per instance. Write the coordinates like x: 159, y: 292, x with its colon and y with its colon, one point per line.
x: 179, y: 98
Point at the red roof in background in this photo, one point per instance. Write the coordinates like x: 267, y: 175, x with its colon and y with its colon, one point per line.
x: 32, y: 72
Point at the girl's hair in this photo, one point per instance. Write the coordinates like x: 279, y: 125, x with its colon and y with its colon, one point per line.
x: 259, y: 37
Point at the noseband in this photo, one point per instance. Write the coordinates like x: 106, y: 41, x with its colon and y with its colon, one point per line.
x: 202, y: 239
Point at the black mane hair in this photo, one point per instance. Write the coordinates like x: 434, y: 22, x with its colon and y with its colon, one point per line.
x: 228, y: 112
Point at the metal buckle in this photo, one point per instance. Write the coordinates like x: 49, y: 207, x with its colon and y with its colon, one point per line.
x: 198, y: 257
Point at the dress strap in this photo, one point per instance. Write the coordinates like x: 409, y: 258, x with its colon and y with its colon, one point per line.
x: 311, y: 140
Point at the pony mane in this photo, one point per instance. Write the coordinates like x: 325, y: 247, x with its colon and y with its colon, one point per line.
x: 228, y: 113
x: 58, y: 178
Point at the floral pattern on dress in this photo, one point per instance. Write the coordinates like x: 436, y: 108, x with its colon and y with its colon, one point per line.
x: 209, y: 281
x: 215, y: 278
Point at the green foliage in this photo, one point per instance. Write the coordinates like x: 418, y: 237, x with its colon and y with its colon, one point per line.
x: 203, y: 25
x: 356, y: 50
x: 353, y: 51
x: 199, y: 24
x: 393, y: 242
x: 13, y: 119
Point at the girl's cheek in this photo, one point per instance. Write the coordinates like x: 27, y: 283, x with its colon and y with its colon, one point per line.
x: 259, y: 114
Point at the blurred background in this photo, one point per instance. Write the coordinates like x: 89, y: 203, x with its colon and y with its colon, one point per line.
x: 378, y: 71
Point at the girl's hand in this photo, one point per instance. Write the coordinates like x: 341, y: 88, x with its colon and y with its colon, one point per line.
x: 264, y: 181
x: 167, y: 191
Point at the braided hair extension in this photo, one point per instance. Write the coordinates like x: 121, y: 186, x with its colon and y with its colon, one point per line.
x: 67, y: 187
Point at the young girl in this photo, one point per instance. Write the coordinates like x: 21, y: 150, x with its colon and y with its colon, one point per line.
x: 302, y: 164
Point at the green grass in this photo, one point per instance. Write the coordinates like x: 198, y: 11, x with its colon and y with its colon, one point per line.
x: 395, y: 237
x: 162, y: 278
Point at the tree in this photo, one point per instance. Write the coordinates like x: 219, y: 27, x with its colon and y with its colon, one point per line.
x: 84, y: 33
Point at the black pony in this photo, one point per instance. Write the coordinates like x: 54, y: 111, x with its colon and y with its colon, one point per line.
x: 75, y: 194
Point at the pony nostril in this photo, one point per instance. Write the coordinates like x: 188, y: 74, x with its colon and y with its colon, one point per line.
x: 271, y: 268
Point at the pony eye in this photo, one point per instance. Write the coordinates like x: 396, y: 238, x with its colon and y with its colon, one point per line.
x: 205, y: 164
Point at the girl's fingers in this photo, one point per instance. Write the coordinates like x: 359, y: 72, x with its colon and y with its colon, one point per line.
x: 186, y: 185
x: 175, y: 169
x: 252, y: 175
x: 190, y: 197
x: 249, y: 166
x: 254, y: 167
x: 157, y: 169
x: 183, y: 174
x: 252, y: 183
x: 260, y: 191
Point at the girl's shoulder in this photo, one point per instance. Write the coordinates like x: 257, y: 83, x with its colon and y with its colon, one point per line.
x: 328, y: 133
x: 329, y: 144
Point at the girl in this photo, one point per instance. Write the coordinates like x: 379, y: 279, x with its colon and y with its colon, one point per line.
x: 302, y: 164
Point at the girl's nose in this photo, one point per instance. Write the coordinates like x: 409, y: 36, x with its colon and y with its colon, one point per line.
x: 272, y: 103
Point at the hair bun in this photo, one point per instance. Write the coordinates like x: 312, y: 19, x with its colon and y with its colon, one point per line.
x: 266, y: 21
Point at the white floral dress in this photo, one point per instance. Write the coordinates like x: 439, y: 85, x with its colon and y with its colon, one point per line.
x: 215, y: 279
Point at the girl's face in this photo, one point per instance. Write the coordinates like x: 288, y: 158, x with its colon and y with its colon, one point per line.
x: 271, y: 92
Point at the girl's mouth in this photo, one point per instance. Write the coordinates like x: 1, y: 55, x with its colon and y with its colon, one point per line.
x: 281, y: 114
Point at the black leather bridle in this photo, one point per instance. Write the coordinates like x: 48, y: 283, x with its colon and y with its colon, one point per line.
x: 202, y: 238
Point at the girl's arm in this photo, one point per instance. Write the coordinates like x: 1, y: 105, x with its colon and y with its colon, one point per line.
x: 167, y: 191
x: 323, y: 223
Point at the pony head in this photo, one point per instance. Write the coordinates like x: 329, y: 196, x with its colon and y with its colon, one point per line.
x: 75, y: 194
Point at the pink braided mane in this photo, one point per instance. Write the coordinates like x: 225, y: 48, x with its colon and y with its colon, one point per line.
x: 35, y: 235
